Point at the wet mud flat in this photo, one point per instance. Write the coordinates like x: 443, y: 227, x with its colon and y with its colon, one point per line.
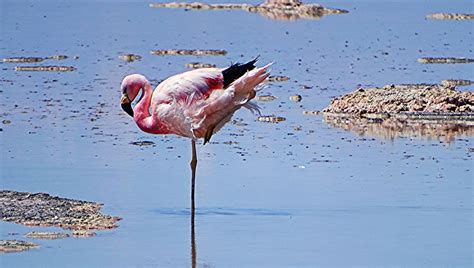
x: 273, y: 9
x: 41, y: 209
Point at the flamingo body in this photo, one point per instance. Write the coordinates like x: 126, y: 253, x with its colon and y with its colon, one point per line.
x: 193, y: 104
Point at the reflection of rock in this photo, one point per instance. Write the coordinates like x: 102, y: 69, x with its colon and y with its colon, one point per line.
x: 450, y: 16
x: 274, y: 9
x: 42, y: 209
x: 392, y: 128
x: 410, y: 99
x: 194, y: 52
x: 7, y: 246
x: 431, y: 60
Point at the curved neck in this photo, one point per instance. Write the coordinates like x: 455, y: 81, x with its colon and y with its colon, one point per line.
x: 142, y: 116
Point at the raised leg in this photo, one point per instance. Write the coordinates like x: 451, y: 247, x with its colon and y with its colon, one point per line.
x: 193, y: 204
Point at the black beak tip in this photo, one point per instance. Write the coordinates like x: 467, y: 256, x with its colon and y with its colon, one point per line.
x: 127, y: 107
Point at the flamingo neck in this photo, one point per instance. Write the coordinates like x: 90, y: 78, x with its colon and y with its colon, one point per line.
x: 145, y: 121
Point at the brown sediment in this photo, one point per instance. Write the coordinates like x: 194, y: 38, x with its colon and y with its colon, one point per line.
x: 34, y: 59
x: 456, y: 82
x: 266, y: 98
x: 194, y: 52
x: 41, y: 209
x: 83, y: 233
x: 130, y: 57
x: 296, y: 98
x: 392, y: 128
x: 271, y: 119
x: 430, y: 60
x: 197, y: 65
x: 278, y: 78
x: 410, y: 100
x: 274, y: 9
x: 450, y: 16
x: 8, y: 246
x: 46, y: 235
x: 45, y: 68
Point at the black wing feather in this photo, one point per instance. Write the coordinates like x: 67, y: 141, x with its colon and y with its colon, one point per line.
x: 237, y: 70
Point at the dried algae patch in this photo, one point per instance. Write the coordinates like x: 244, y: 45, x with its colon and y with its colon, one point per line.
x: 46, y: 235
x: 450, y: 16
x: 273, y: 9
x: 193, y: 52
x: 8, y: 246
x: 41, y: 209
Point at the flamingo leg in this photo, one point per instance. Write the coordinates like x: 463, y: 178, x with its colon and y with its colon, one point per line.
x: 193, y: 206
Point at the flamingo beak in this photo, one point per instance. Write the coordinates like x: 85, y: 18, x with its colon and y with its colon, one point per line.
x: 126, y: 104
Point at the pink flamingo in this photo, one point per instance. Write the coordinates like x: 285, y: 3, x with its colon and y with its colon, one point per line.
x: 193, y: 104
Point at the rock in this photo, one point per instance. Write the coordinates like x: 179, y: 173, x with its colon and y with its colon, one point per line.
x: 197, y: 65
x: 130, y: 57
x: 278, y: 78
x: 456, y: 82
x: 46, y: 235
x: 430, y: 60
x: 450, y: 16
x: 83, y: 233
x: 45, y: 68
x: 41, y: 209
x: 416, y: 100
x: 274, y: 9
x: 142, y: 143
x: 7, y: 246
x: 271, y: 119
x: 195, y: 52
x: 296, y: 98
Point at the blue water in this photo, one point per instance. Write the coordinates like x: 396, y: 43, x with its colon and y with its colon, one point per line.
x: 276, y: 196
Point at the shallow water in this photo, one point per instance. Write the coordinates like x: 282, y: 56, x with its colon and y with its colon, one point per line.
x: 299, y: 192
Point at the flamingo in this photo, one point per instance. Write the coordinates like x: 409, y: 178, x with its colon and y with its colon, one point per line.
x: 194, y: 104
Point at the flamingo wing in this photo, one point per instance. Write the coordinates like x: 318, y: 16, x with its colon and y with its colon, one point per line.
x: 196, y: 104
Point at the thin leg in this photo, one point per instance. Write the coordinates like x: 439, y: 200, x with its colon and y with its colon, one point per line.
x: 193, y: 204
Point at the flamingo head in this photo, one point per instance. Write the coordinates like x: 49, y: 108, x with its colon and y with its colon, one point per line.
x: 131, y: 85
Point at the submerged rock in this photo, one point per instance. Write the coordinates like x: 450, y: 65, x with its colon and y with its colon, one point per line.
x: 414, y: 100
x: 7, y: 246
x: 450, y: 16
x: 274, y: 9
x: 41, y: 209
x: 430, y: 60
x: 195, y: 52
x: 266, y: 98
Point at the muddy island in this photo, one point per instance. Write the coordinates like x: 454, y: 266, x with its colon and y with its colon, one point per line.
x: 273, y: 9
